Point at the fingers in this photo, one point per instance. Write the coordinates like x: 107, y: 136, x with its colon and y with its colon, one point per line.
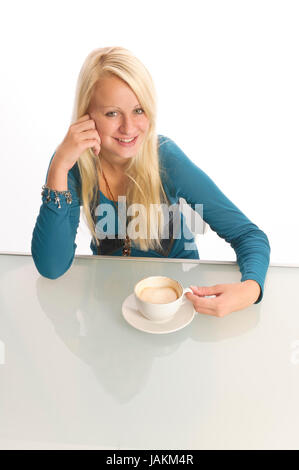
x: 196, y: 290
x: 91, y: 135
x: 85, y: 123
x: 93, y: 143
x: 96, y: 141
x: 84, y: 126
x: 201, y: 304
x: 206, y: 305
x: 84, y: 130
x: 207, y: 291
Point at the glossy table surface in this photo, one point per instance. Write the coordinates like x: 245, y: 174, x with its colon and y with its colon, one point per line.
x: 74, y: 374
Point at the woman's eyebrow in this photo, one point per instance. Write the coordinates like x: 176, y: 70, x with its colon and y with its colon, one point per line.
x: 111, y: 106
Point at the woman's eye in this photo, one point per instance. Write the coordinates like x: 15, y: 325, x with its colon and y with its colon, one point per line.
x: 111, y: 112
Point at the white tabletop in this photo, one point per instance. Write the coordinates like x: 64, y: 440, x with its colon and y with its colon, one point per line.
x: 75, y: 374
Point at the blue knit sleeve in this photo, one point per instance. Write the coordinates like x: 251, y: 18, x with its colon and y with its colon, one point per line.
x: 53, y: 240
x: 250, y: 244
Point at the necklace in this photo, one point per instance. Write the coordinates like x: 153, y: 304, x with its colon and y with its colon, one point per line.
x: 127, y: 243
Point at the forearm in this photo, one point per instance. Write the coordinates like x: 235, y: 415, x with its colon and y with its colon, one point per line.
x: 53, y: 239
x: 57, y: 176
x: 253, y: 288
x: 253, y: 256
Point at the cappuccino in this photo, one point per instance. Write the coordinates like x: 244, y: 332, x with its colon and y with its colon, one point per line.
x: 158, y: 298
x: 158, y: 295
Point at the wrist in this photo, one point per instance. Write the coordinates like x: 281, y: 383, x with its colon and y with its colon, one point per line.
x: 254, y: 287
x: 57, y: 166
x: 57, y: 179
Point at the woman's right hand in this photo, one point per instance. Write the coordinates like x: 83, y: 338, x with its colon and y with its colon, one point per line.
x: 81, y: 135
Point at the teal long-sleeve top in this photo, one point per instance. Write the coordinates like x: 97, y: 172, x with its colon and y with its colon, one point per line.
x: 53, y: 240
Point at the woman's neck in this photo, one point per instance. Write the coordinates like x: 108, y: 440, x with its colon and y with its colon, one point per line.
x: 114, y: 167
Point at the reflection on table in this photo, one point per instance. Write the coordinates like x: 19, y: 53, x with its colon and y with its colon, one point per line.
x: 75, y: 374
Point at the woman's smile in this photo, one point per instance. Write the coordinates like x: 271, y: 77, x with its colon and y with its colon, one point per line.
x: 127, y: 144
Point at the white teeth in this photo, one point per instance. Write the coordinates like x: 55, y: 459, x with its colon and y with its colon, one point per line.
x: 124, y: 140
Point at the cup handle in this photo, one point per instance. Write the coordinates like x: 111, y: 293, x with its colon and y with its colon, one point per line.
x: 187, y: 289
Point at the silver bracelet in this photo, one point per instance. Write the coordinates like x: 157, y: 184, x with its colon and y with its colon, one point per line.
x: 67, y: 195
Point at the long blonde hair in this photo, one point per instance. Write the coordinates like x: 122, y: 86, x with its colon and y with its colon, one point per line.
x: 145, y: 185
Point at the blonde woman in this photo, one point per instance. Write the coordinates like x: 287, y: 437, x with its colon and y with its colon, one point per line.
x: 127, y: 177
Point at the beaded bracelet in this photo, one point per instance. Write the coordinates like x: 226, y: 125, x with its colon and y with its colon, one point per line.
x: 67, y: 195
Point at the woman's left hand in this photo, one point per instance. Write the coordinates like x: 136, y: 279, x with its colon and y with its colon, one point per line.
x: 228, y: 297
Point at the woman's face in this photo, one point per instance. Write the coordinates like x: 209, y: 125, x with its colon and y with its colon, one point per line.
x: 118, y: 115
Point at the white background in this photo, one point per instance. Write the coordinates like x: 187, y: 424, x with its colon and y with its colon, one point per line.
x: 226, y: 75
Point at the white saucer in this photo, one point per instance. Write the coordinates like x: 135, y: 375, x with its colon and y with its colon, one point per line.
x: 182, y: 318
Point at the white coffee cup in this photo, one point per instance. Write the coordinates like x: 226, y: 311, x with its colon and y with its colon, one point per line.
x: 159, y: 312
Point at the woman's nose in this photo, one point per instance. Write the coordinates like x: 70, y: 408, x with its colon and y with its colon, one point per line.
x: 127, y: 127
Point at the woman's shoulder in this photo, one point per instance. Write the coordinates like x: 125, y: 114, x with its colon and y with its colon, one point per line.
x: 163, y: 139
x: 168, y: 145
x: 164, y: 148
x: 169, y: 151
x: 175, y: 161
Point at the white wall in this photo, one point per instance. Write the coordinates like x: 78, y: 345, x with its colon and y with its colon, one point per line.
x: 226, y: 74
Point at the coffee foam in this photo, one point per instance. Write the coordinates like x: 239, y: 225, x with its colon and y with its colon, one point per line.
x: 158, y: 294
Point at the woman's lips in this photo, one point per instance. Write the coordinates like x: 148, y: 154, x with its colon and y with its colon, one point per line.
x: 127, y: 144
